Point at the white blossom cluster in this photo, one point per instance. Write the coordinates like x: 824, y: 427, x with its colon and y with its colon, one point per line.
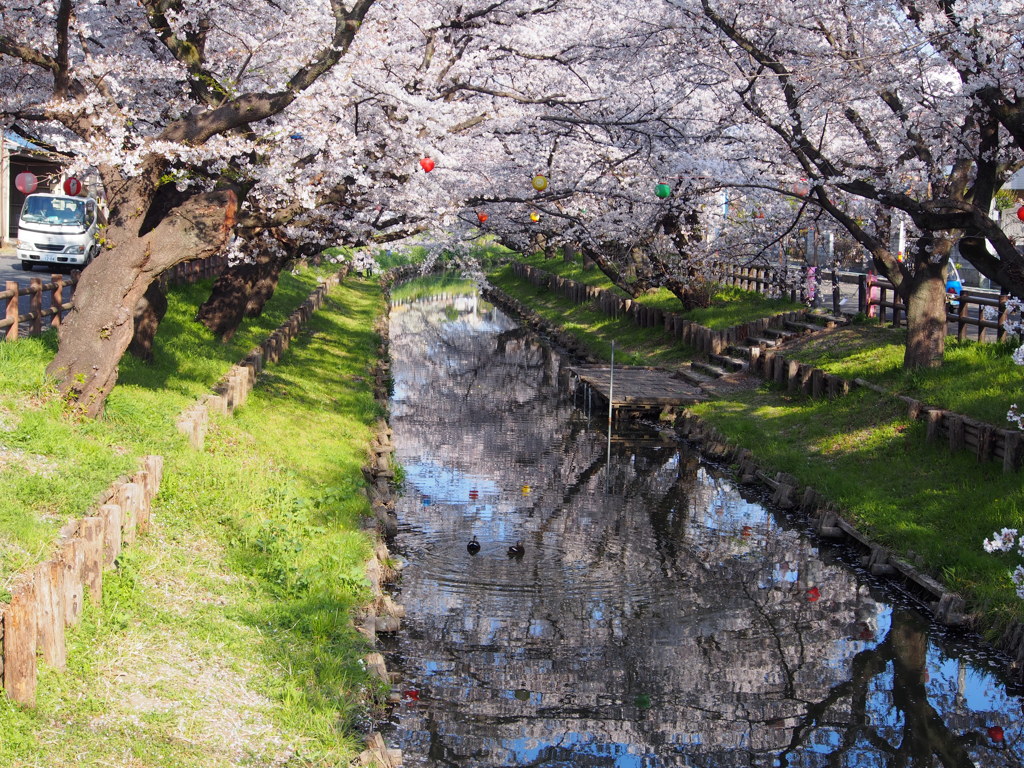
x: 1005, y: 541
x: 604, y: 98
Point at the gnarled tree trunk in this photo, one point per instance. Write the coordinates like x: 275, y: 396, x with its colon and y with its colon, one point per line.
x: 241, y: 291
x: 148, y: 314
x: 99, y: 329
x: 267, y: 276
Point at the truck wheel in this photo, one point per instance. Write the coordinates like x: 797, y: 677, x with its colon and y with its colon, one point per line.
x: 27, y: 266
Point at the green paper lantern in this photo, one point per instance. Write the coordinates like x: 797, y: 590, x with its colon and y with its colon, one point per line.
x: 663, y: 191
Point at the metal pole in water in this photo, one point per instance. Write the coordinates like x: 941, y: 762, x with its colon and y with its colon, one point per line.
x: 611, y: 392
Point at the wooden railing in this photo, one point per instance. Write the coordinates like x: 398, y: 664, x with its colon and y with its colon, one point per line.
x: 59, y: 303
x: 52, y: 300
x: 877, y: 298
x: 765, y: 281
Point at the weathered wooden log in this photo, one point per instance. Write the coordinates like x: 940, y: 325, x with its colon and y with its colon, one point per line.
x: 793, y: 377
x: 20, y: 643
x: 1013, y: 446
x: 111, y: 514
x: 50, y: 614
x: 955, y: 431
x: 90, y: 534
x: 71, y: 582
x: 129, y: 498
x: 817, y: 383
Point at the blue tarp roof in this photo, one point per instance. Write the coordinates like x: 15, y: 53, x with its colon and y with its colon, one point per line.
x: 20, y: 141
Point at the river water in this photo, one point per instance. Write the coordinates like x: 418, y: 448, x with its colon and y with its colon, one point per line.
x: 659, y: 614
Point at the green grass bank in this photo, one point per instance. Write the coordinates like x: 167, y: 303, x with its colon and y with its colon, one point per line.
x: 862, y: 452
x: 224, y: 636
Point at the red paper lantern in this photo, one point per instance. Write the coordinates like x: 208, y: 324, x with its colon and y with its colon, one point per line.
x: 26, y: 182
x: 72, y: 186
x: 995, y: 733
x: 474, y: 494
x: 427, y: 164
x: 813, y: 594
x: 482, y: 216
x: 1020, y: 213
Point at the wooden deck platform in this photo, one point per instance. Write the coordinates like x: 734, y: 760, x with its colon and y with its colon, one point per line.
x: 637, y: 388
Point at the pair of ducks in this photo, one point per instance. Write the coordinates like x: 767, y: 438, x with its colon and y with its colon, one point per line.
x: 516, y: 550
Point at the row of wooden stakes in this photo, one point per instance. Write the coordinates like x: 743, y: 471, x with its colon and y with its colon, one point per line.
x: 962, y: 433
x: 50, y: 598
x: 700, y: 337
x: 234, y: 387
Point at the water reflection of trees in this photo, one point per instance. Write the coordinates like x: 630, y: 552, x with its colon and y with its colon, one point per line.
x: 657, y: 619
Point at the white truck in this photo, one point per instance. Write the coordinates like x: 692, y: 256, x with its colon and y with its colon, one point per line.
x: 58, y: 230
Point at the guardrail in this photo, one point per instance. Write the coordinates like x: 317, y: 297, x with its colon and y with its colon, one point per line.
x: 59, y: 290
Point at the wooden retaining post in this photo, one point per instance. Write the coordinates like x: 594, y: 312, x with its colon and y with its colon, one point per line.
x: 1012, y: 450
x: 793, y: 377
x: 817, y: 383
x: 955, y: 429
x: 111, y: 514
x: 129, y: 498
x: 90, y: 534
x: 71, y: 583
x: 20, y: 643
x: 50, y: 614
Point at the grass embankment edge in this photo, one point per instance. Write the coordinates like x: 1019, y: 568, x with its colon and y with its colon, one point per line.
x: 861, y: 452
x: 225, y: 636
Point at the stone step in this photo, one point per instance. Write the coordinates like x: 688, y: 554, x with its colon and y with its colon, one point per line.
x: 740, y: 352
x: 761, y: 341
x: 709, y: 369
x: 781, y: 334
x: 825, y: 319
x: 799, y: 327
x: 692, y: 376
x: 728, y: 362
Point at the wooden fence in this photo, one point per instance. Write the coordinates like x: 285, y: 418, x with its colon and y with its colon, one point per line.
x: 50, y: 598
x: 877, y: 298
x: 703, y: 339
x: 59, y: 303
x: 765, y: 281
x: 59, y: 294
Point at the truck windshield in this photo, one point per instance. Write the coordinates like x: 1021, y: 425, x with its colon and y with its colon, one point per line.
x: 62, y: 211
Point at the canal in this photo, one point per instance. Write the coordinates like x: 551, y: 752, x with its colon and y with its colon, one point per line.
x: 658, y: 615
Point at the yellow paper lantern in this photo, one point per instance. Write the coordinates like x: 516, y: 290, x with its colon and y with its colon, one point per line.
x: 540, y: 183
x: 534, y: 217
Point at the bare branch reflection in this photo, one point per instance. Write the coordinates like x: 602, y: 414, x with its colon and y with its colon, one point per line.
x: 657, y: 617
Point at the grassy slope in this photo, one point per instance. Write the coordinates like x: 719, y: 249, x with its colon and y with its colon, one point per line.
x: 729, y: 305
x: 52, y: 467
x: 863, y: 453
x: 224, y: 637
x: 633, y: 345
